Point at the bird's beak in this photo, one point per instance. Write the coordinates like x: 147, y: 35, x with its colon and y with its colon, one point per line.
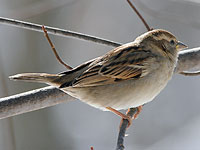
x: 180, y: 46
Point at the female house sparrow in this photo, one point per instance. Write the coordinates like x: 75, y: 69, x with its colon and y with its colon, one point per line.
x: 126, y: 77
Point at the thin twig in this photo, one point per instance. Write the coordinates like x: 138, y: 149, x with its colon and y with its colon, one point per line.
x: 168, y: 16
x: 122, y: 131
x: 56, y: 31
x: 190, y: 73
x: 54, y: 50
x: 139, y: 15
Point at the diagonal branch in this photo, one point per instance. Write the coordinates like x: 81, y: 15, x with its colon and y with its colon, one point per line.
x: 56, y: 31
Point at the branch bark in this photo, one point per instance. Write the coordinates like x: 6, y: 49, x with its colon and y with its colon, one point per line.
x: 188, y: 60
x: 32, y: 100
x: 56, y: 31
x: 122, y: 130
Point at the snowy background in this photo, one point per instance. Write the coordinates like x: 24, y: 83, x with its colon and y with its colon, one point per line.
x: 170, y: 122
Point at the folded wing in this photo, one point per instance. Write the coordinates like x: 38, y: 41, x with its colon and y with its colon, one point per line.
x: 123, y: 63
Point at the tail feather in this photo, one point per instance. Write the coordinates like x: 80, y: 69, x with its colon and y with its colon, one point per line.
x: 51, y: 79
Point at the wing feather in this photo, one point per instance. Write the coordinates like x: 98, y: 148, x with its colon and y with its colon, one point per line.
x: 123, y: 63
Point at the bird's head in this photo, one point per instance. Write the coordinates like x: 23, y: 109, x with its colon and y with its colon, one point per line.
x: 161, y: 42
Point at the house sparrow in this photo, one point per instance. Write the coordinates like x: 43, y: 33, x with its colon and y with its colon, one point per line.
x: 126, y: 77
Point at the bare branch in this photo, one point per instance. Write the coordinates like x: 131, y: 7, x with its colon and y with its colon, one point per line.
x: 122, y: 130
x: 188, y: 60
x: 32, y: 100
x: 56, y: 31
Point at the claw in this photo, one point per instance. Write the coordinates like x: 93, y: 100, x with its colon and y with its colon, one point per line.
x: 139, y: 109
x: 121, y: 115
x: 127, y: 117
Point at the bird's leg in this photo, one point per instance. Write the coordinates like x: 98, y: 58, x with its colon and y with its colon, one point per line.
x: 126, y: 116
x: 121, y: 115
x: 129, y: 121
x: 139, y: 109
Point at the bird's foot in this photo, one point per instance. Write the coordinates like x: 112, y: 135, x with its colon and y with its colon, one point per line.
x: 121, y: 115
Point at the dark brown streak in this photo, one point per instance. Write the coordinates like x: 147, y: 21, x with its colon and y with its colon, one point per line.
x: 131, y: 48
x: 117, y: 70
x: 113, y: 64
x: 66, y: 84
x: 136, y: 61
x: 96, y: 66
x: 90, y: 72
x: 77, y: 68
x: 109, y: 71
x: 137, y: 76
x: 117, y: 80
x: 104, y: 69
x: 128, y: 49
x: 131, y: 71
x: 123, y: 62
x: 98, y: 82
x: 87, y: 75
x: 118, y: 55
x: 83, y: 77
x: 118, y: 73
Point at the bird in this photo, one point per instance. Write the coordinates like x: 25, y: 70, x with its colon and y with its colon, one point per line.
x: 128, y: 76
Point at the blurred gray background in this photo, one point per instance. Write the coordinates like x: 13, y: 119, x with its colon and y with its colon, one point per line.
x: 170, y: 122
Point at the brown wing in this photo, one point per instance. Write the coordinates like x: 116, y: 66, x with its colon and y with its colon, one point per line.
x: 123, y: 63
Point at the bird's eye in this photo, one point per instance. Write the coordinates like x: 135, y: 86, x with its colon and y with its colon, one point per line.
x: 172, y: 42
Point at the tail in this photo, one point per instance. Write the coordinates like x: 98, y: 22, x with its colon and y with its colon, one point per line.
x: 51, y: 79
